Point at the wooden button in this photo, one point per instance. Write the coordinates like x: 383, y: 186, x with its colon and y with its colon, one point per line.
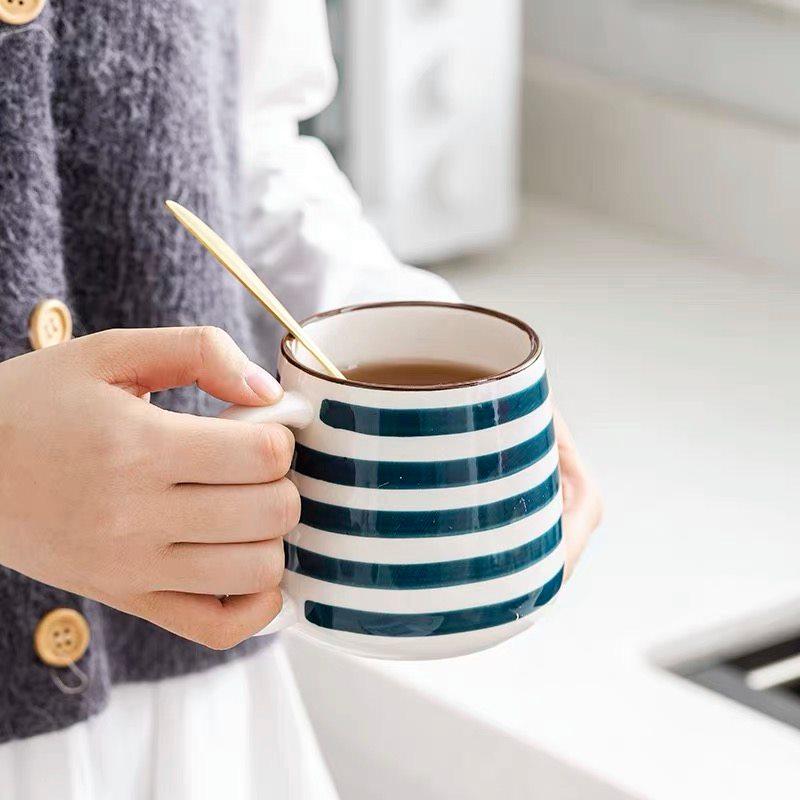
x: 61, y: 637
x: 19, y: 12
x: 50, y: 322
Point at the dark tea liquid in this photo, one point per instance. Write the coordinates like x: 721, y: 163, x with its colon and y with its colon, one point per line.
x: 416, y: 372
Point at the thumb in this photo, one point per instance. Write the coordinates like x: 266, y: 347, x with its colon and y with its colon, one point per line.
x: 153, y: 359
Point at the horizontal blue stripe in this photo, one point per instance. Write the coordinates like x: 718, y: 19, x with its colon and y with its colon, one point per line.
x: 421, y: 576
x: 433, y: 421
x: 420, y: 524
x: 422, y: 474
x: 374, y: 623
x: 417, y: 524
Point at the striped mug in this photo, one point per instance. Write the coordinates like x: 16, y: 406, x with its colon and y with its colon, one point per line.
x: 431, y: 515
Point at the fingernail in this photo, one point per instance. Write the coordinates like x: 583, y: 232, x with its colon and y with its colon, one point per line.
x: 263, y: 384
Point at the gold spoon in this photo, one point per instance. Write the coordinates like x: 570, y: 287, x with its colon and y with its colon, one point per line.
x: 232, y: 262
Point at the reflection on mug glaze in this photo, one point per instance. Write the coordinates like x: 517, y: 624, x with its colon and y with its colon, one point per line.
x: 434, y: 421
x: 422, y: 474
x: 374, y: 623
x: 419, y: 524
x: 432, y: 575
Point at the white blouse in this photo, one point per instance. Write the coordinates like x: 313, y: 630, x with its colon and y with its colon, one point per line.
x: 305, y: 231
x: 240, y: 731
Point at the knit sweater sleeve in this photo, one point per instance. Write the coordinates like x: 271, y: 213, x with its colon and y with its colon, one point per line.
x: 31, y: 262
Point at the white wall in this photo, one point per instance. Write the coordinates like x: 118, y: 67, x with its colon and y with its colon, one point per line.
x: 678, y: 115
x: 741, y: 53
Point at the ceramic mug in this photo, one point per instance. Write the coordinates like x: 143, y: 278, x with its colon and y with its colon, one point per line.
x: 431, y: 515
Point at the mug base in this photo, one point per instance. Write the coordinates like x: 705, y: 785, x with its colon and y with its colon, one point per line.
x: 417, y: 648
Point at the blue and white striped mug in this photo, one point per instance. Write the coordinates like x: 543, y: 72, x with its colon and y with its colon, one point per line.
x: 431, y: 515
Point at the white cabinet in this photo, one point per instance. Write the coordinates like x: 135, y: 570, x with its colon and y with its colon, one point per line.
x: 428, y: 119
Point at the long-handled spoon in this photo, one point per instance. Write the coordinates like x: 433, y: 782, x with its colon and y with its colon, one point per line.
x: 232, y: 262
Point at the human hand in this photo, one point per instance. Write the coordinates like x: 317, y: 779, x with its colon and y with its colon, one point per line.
x: 152, y: 512
x: 583, y: 505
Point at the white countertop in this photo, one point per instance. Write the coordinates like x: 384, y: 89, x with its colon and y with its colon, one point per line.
x: 679, y: 375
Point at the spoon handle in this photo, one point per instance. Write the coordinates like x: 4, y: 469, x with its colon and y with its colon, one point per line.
x: 233, y: 262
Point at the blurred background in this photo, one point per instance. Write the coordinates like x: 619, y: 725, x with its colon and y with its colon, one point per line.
x: 625, y: 175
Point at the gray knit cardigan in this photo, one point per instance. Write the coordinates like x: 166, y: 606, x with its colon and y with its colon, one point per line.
x: 107, y: 109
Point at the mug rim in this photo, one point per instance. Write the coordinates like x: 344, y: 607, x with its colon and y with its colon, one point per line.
x: 533, y: 354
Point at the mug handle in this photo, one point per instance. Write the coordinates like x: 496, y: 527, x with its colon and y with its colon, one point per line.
x: 294, y: 411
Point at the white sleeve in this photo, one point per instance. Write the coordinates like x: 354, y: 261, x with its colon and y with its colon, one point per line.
x: 304, y: 230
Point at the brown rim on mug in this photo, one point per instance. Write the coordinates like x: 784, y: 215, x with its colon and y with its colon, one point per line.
x: 535, y: 351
